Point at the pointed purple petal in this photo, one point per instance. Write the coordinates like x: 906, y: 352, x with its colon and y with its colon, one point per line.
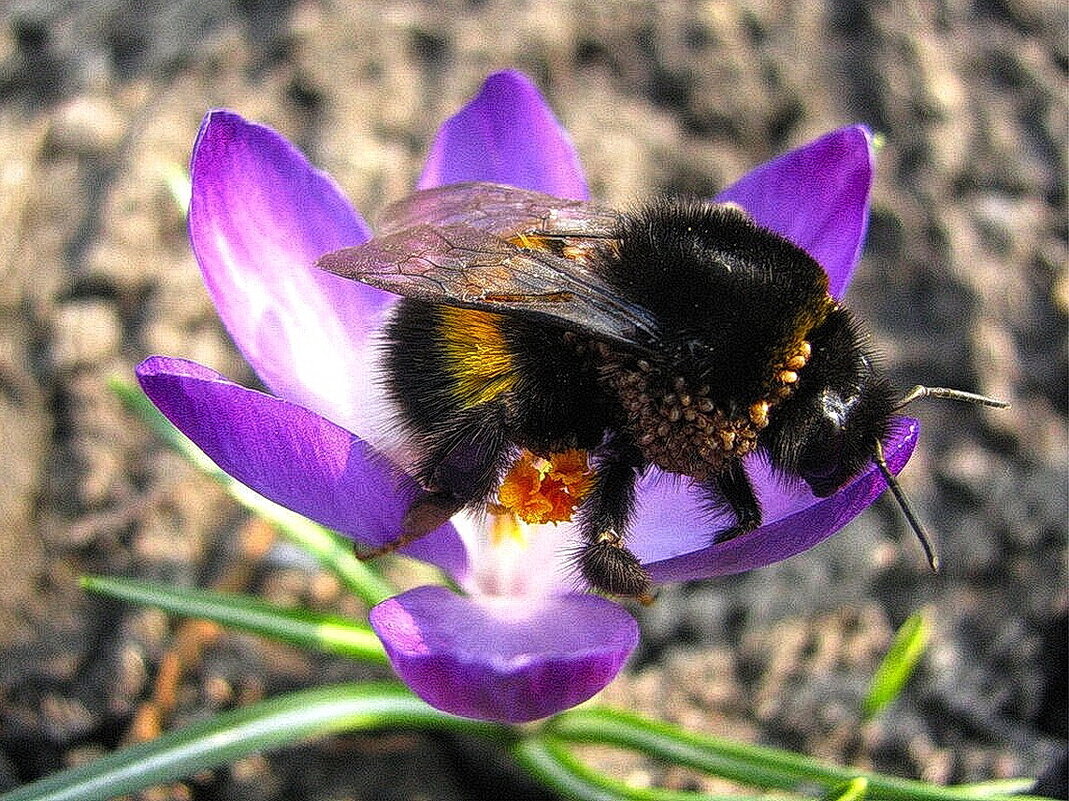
x: 507, y: 135
x: 818, y: 197
x: 259, y: 217
x: 504, y: 659
x: 292, y: 456
x: 795, y: 519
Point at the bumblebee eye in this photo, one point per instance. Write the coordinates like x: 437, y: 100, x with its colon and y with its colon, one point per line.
x: 824, y: 461
x: 823, y: 470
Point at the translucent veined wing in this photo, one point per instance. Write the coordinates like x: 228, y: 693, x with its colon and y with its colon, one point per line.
x: 502, y: 210
x: 505, y: 250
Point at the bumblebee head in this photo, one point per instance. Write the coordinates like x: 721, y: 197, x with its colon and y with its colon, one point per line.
x: 826, y: 431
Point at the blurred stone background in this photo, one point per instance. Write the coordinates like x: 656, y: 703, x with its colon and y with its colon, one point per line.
x: 963, y: 284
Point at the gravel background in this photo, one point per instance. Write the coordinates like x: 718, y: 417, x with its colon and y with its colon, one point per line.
x: 963, y: 284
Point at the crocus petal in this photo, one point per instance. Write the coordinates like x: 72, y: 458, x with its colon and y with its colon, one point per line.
x: 259, y: 217
x: 818, y: 197
x: 292, y: 456
x: 508, y: 135
x: 503, y: 659
x: 795, y: 520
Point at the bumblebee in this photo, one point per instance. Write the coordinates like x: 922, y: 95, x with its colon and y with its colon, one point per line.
x: 557, y: 344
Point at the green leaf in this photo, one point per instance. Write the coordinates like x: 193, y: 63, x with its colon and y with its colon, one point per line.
x: 754, y: 765
x: 995, y: 787
x: 548, y: 760
x: 853, y: 790
x: 331, y: 550
x: 747, y: 765
x: 231, y: 736
x: 299, y: 627
x: 898, y: 665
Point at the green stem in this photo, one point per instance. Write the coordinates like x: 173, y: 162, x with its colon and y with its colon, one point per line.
x: 718, y: 758
x: 332, y: 551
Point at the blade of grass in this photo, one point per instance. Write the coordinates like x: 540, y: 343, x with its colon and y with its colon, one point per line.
x: 331, y: 550
x: 855, y: 790
x: 725, y: 759
x: 555, y: 766
x: 907, y: 648
x: 995, y: 787
x: 299, y: 627
x: 755, y: 765
x: 269, y: 724
x: 178, y: 184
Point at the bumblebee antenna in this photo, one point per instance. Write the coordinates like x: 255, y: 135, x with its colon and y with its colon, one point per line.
x: 907, y: 509
x: 949, y: 394
x: 917, y: 393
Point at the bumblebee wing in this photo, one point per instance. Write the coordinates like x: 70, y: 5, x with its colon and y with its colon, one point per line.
x: 502, y: 210
x: 459, y: 265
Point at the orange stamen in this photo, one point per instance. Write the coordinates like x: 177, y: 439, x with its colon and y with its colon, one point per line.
x: 546, y: 490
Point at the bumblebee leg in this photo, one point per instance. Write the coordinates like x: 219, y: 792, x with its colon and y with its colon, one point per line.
x: 604, y: 517
x: 732, y: 487
x: 467, y: 465
x: 423, y: 516
x: 459, y: 469
x: 453, y: 472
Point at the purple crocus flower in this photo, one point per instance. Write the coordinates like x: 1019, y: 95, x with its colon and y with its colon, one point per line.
x: 523, y: 640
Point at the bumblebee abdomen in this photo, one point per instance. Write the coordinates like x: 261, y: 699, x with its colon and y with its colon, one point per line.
x: 451, y: 369
x: 476, y: 355
x: 443, y: 361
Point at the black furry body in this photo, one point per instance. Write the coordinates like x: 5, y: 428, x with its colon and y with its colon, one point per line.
x: 556, y: 403
x: 681, y: 335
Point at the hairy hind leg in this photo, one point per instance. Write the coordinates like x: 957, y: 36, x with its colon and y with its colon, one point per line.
x: 605, y: 515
